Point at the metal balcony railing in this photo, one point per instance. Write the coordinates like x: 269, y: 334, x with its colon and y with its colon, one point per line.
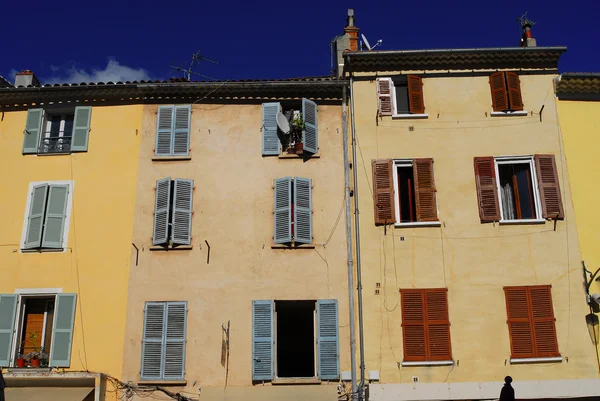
x: 55, y: 145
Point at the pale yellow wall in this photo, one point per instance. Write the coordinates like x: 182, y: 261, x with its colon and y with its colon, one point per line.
x: 95, y: 265
x: 473, y: 260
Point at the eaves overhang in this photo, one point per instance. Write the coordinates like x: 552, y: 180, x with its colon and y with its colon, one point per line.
x: 578, y: 86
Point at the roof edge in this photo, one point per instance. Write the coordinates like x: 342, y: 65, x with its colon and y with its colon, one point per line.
x: 560, y: 49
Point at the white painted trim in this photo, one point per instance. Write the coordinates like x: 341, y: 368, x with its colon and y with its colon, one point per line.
x: 520, y: 113
x: 38, y: 291
x: 408, y: 116
x: 420, y: 224
x: 524, y: 221
x: 428, y: 363
x: 536, y: 360
x: 534, y: 183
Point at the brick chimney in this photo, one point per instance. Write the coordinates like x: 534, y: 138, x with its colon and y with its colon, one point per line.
x: 26, y: 78
x: 527, y: 39
x: 343, y: 43
x: 351, y: 31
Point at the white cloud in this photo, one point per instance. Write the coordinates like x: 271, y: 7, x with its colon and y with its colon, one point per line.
x: 113, y: 72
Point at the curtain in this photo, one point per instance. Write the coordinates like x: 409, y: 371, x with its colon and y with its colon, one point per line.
x: 508, y: 204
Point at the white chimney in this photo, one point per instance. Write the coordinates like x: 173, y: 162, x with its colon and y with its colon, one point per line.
x: 26, y: 78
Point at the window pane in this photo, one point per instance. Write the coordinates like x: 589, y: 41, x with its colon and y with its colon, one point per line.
x: 406, y: 194
x: 54, y: 126
x: 69, y: 125
x: 402, y: 99
x: 516, y: 191
x: 523, y: 175
x: 507, y: 192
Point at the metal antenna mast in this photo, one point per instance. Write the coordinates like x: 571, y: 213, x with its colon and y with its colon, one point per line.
x: 187, y: 72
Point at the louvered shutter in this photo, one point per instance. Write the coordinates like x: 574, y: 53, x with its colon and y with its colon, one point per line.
x: 62, y: 330
x: 262, y: 340
x: 519, y: 323
x: 413, y: 325
x: 549, y: 188
x: 487, y: 191
x: 415, y: 94
x: 384, y: 96
x: 81, y: 129
x: 181, y: 225
x: 310, y: 133
x: 181, y: 130
x: 161, y: 211
x: 174, y: 344
x: 328, y: 337
x: 425, y: 192
x: 514, y: 91
x: 35, y: 220
x: 33, y: 129
x: 152, y: 342
x: 56, y: 214
x: 164, y: 131
x: 383, y: 191
x: 499, y: 92
x: 438, y: 325
x: 543, y: 321
x: 270, y: 140
x: 282, y: 210
x: 303, y: 210
x: 8, y: 310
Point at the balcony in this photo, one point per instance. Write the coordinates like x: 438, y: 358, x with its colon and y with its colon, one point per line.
x: 55, y: 145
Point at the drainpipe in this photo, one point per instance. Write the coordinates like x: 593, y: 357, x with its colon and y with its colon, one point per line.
x: 349, y: 245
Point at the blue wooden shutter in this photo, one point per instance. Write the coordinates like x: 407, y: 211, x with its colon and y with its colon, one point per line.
x: 327, y: 323
x: 181, y: 130
x: 302, y: 210
x: 282, y: 213
x: 270, y: 140
x: 35, y: 220
x: 181, y: 226
x: 81, y: 129
x: 174, y: 343
x: 56, y: 214
x: 161, y: 211
x: 152, y: 342
x: 164, y: 131
x: 262, y: 340
x: 310, y: 132
x: 33, y: 128
x: 8, y: 309
x: 62, y: 330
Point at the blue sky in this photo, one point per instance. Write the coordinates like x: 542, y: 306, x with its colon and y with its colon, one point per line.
x: 75, y: 41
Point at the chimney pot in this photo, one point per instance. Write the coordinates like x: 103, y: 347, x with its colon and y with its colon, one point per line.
x: 26, y: 78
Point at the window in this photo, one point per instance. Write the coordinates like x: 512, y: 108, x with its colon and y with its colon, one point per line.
x: 506, y: 91
x: 296, y: 339
x: 293, y: 211
x: 163, y: 345
x: 531, y: 322
x: 173, y: 212
x: 173, y: 131
x: 425, y: 325
x: 57, y: 130
x: 400, y: 96
x: 518, y: 188
x: 302, y: 135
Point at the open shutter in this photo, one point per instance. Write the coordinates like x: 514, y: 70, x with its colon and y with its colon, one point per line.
x: 164, y: 131
x: 519, y: 323
x: 62, y: 330
x: 415, y: 94
x: 383, y: 191
x: 549, y: 188
x: 327, y: 323
x: 262, y: 340
x: 303, y: 210
x: 282, y: 232
x: 35, y: 220
x: 384, y: 96
x: 438, y: 325
x: 487, y: 191
x: 174, y: 361
x: 413, y: 325
x: 425, y: 192
x: 181, y: 131
x: 310, y: 133
x: 81, y: 129
x: 152, y: 342
x: 161, y: 211
x: 270, y: 140
x: 514, y: 90
x: 56, y: 214
x: 543, y: 321
x: 181, y: 228
x: 499, y: 92
x: 33, y: 128
x: 8, y: 309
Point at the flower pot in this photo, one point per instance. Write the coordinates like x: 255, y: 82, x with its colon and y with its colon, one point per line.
x: 35, y: 363
x: 21, y: 362
x: 291, y: 150
x: 299, y: 148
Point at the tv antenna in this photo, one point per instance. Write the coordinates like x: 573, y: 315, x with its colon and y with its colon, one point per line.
x: 366, y: 42
x: 186, y: 68
x: 523, y: 21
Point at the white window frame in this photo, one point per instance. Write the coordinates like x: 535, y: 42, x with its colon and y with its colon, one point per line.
x: 48, y: 113
x: 395, y: 114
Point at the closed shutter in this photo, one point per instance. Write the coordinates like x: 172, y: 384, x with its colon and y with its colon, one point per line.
x: 164, y: 131
x: 35, y: 220
x: 438, y: 325
x: 161, y: 211
x: 181, y: 130
x: 282, y: 210
x: 56, y: 214
x: 262, y: 340
x: 543, y: 321
x: 303, y: 210
x: 547, y: 175
x: 383, y: 191
x: 174, y: 342
x: 425, y: 194
x: 152, y: 342
x: 328, y: 337
x: 384, y: 96
x: 270, y: 140
x: 514, y: 90
x: 8, y: 309
x: 415, y: 94
x: 519, y: 323
x: 499, y: 92
x: 310, y: 133
x: 181, y: 228
x: 33, y: 128
x: 62, y: 330
x: 413, y: 325
x: 81, y: 129
x: 487, y: 191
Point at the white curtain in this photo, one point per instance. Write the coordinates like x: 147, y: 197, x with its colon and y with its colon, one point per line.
x: 507, y: 202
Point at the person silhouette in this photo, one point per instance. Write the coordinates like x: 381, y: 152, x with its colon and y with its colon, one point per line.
x: 508, y: 392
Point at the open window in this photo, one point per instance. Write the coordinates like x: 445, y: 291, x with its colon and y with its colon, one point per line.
x: 296, y: 132
x: 57, y: 130
x: 400, y: 96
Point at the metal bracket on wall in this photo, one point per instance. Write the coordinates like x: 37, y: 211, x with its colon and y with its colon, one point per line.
x: 208, y: 254
x: 137, y: 253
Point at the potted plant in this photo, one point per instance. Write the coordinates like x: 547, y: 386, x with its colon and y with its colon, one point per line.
x: 296, y: 128
x: 33, y: 358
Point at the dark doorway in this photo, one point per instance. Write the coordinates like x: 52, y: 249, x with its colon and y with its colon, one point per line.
x: 295, y: 338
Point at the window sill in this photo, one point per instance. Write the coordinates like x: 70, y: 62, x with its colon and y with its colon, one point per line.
x: 296, y: 380
x: 284, y: 246
x: 409, y: 116
x: 170, y: 158
x: 536, y: 360
x: 44, y: 250
x: 522, y: 113
x: 419, y: 224
x: 301, y: 157
x: 526, y: 221
x: 18, y: 371
x: 171, y: 248
x: 179, y: 383
x: 427, y: 363
x: 54, y: 153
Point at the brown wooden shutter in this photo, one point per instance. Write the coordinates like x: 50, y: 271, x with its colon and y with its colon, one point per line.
x: 415, y: 95
x: 413, y: 325
x: 547, y: 177
x: 519, y: 324
x: 425, y: 192
x: 437, y: 325
x: 499, y: 92
x: 384, y: 95
x: 514, y: 90
x: 487, y: 191
x: 383, y: 191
